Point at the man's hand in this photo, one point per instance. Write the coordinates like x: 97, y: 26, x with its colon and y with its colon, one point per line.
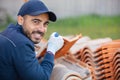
x: 55, y: 43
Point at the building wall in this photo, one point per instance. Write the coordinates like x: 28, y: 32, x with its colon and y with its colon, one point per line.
x: 10, y: 7
x: 66, y: 8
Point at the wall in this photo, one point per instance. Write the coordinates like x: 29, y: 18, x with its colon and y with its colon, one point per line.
x: 66, y: 8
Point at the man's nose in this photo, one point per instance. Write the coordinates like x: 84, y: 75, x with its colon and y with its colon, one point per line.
x: 41, y: 28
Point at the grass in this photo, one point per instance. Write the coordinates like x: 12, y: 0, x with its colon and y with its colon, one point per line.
x: 92, y: 25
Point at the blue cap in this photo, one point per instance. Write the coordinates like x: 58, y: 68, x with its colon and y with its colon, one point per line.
x: 34, y: 8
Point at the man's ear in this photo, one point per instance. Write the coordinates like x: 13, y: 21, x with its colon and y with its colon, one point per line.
x: 20, y: 20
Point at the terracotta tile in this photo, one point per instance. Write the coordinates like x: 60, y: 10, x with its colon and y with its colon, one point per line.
x: 67, y: 45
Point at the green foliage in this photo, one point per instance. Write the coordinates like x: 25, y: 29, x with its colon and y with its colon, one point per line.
x: 9, y: 19
x: 93, y: 26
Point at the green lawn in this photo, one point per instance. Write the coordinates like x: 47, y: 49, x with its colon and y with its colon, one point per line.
x: 93, y: 26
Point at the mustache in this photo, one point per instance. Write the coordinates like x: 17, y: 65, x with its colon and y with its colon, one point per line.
x: 39, y: 32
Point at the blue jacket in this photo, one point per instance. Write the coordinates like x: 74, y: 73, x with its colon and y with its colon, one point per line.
x: 17, y: 57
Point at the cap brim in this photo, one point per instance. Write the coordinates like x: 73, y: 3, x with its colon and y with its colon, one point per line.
x: 52, y: 16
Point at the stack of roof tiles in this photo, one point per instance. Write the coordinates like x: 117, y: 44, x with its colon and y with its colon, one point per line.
x: 100, y: 58
x: 104, y: 60
x: 68, y: 68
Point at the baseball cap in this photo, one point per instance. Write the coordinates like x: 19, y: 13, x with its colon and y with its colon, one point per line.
x: 34, y: 8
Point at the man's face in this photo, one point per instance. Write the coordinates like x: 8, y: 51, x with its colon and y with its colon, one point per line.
x: 35, y: 26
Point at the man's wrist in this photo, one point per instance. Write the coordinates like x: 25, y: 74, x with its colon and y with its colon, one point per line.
x: 50, y: 52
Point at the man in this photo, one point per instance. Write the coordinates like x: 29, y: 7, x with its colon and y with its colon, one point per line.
x: 17, y: 53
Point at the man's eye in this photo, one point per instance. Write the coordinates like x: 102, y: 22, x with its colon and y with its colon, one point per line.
x: 46, y: 23
x: 36, y: 21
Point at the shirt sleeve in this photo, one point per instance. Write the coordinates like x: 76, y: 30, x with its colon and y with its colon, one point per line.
x: 27, y: 65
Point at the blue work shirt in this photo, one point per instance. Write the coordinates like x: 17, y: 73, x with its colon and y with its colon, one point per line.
x: 17, y: 57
